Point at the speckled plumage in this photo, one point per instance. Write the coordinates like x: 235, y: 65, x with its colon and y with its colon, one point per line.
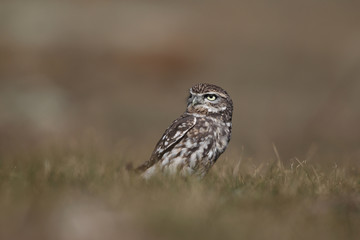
x: 194, y: 141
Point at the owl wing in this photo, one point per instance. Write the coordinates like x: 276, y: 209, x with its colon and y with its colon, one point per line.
x: 172, y: 135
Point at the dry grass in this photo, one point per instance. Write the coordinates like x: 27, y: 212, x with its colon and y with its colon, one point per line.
x: 85, y: 193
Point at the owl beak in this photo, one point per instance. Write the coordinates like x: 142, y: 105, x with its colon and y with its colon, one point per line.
x: 196, y: 101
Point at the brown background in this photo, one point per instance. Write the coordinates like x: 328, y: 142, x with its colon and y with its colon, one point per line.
x: 119, y: 71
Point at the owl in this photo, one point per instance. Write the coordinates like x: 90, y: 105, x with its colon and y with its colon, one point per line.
x: 194, y: 141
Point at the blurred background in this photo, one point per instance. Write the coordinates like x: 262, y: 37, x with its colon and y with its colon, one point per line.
x: 89, y: 85
x: 120, y: 71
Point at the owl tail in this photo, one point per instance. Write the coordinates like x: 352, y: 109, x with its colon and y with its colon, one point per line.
x: 130, y: 168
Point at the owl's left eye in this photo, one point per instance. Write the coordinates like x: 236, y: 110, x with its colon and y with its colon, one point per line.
x: 211, y: 97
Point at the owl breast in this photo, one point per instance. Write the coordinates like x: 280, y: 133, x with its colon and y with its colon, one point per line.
x: 197, y: 151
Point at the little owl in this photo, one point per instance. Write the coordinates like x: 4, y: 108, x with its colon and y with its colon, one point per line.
x: 194, y: 141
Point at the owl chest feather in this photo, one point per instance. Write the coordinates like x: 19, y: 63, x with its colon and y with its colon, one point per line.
x: 200, y: 147
x: 213, y: 134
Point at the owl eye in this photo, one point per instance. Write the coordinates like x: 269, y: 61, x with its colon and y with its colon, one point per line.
x: 211, y: 97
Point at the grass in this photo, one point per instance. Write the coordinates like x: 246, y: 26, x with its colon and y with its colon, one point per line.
x: 82, y: 192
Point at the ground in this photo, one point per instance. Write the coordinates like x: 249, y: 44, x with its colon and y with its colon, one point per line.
x: 82, y: 192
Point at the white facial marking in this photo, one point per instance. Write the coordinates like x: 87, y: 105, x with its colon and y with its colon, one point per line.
x: 210, y: 108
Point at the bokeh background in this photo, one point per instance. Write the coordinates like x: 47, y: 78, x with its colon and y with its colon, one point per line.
x: 87, y: 86
x: 120, y: 71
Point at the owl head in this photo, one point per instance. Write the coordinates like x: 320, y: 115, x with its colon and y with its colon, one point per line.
x: 209, y: 99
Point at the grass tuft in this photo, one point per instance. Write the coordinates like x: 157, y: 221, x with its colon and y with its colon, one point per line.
x: 80, y: 194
